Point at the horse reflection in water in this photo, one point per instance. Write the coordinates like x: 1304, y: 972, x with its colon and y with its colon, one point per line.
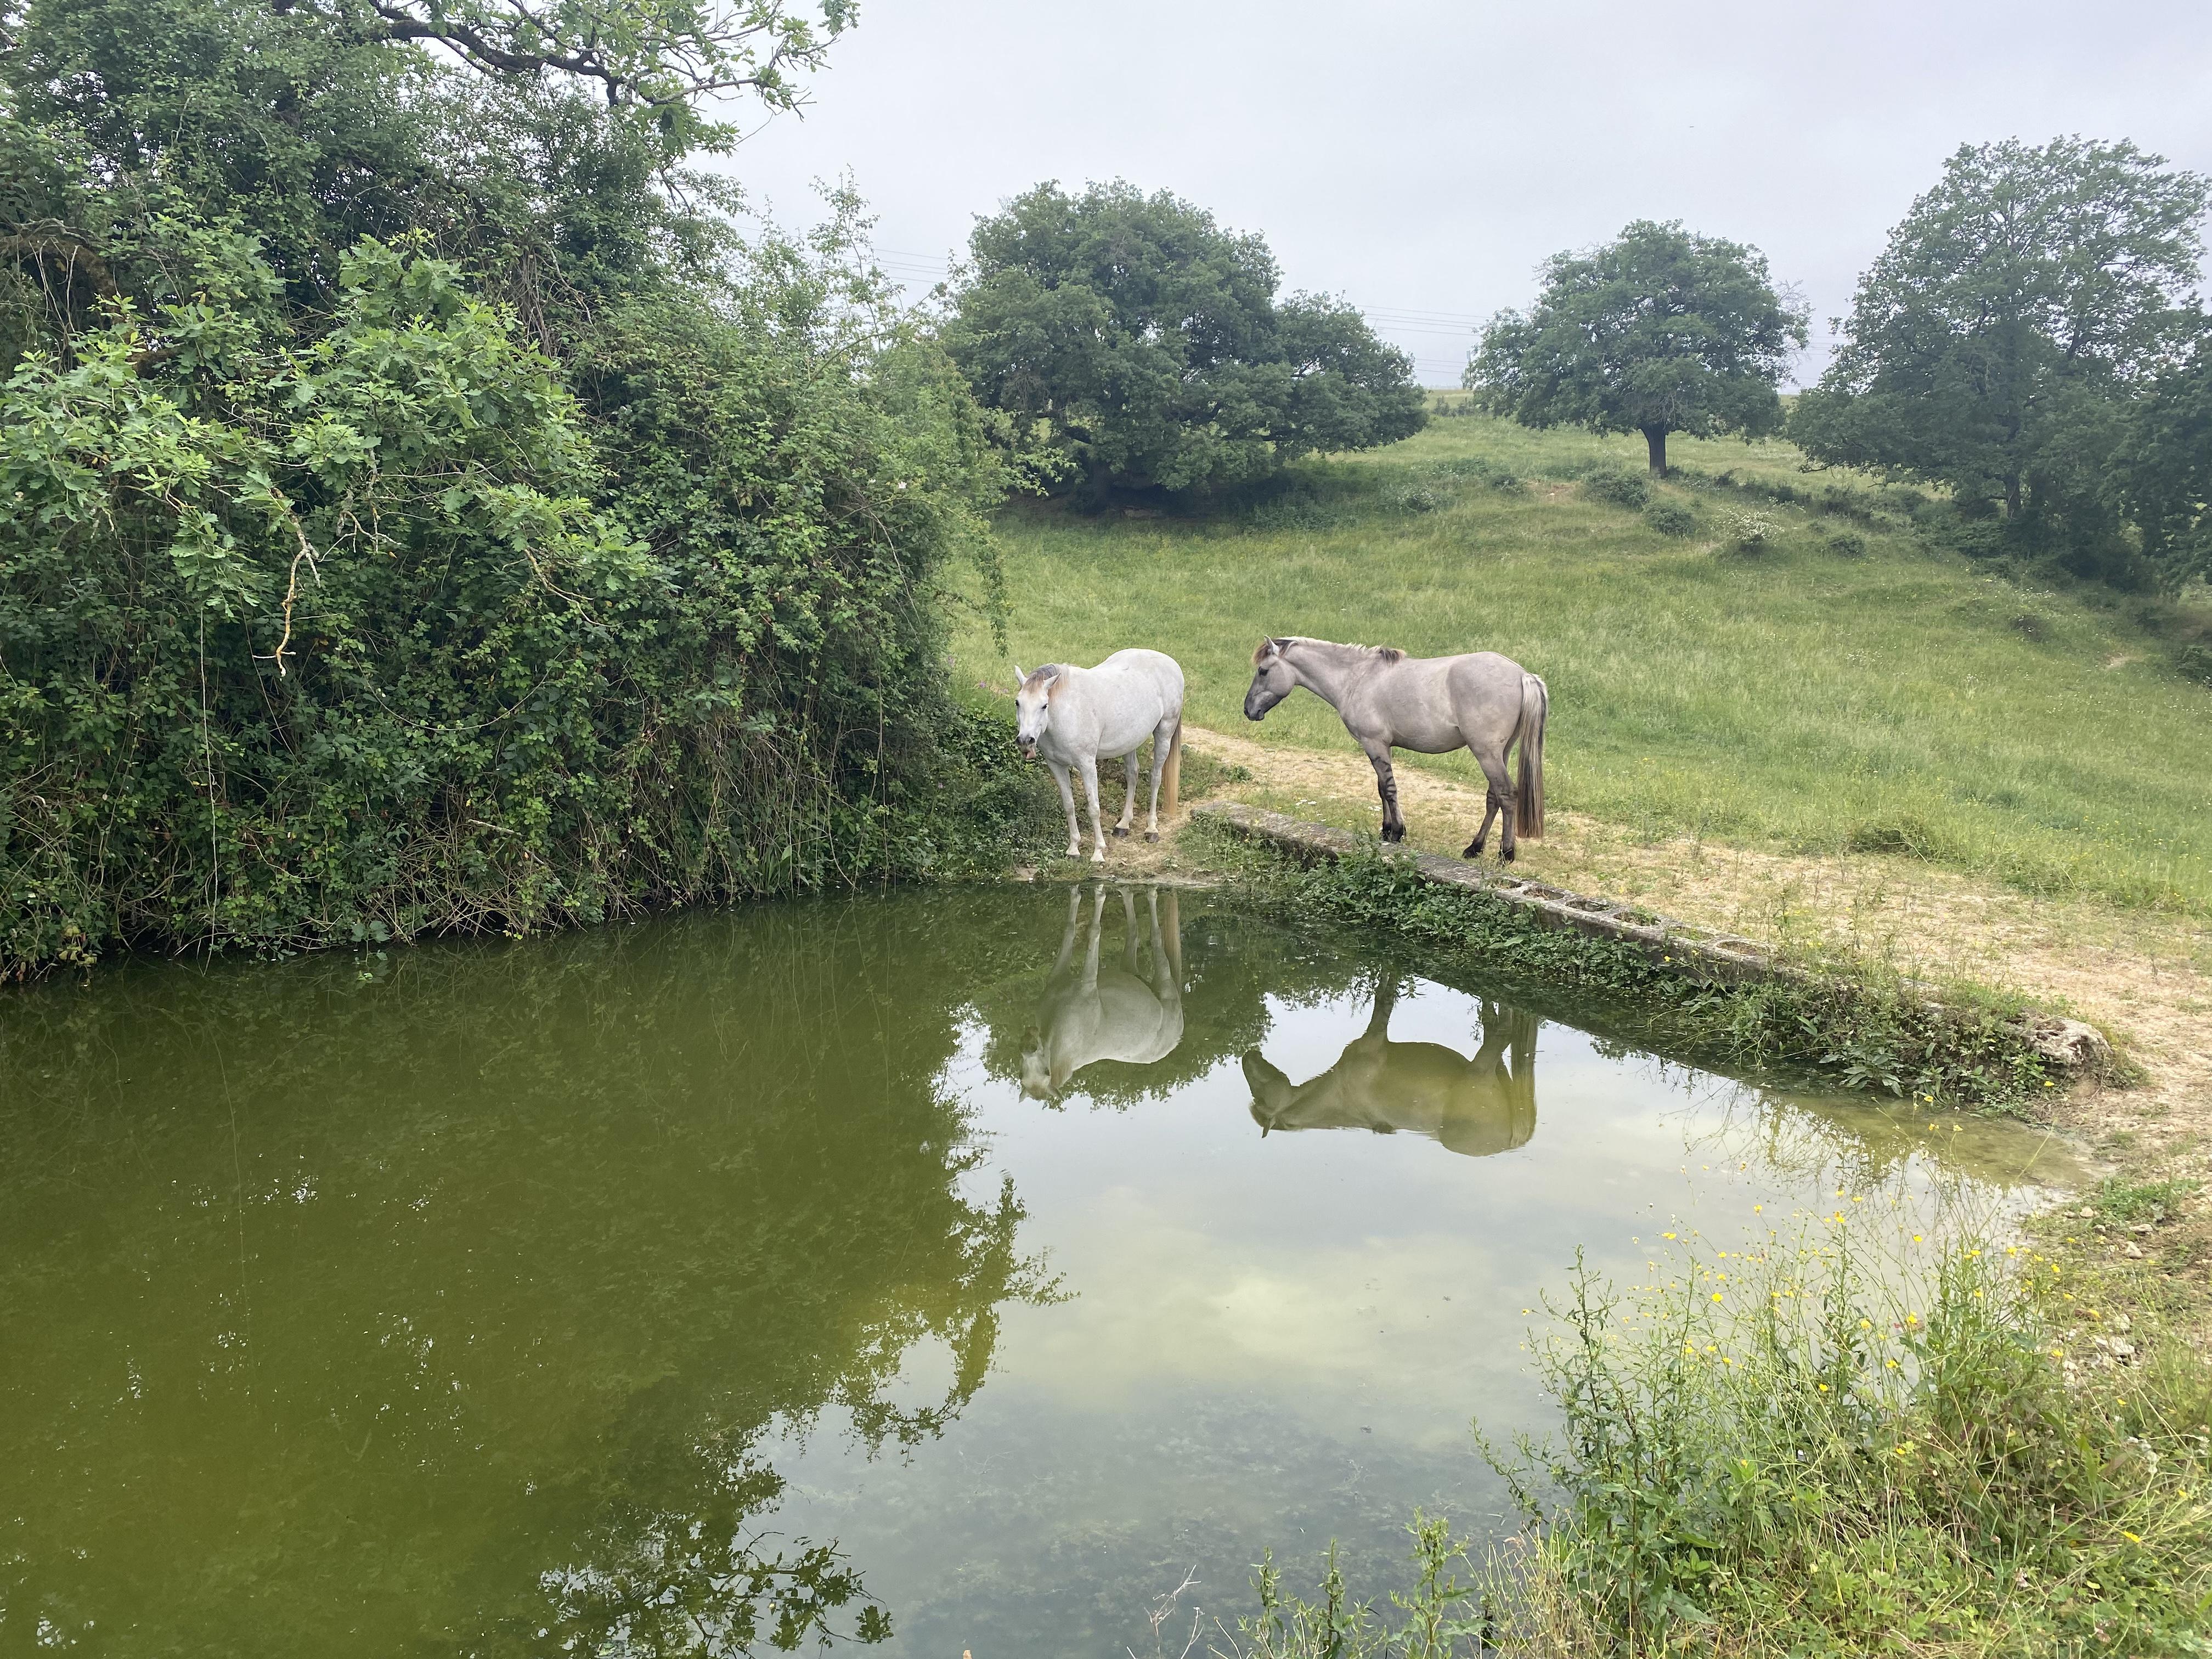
x: 1093, y: 1012
x: 1478, y: 1107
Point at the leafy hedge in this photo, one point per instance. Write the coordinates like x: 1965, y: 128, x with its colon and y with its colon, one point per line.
x: 421, y: 509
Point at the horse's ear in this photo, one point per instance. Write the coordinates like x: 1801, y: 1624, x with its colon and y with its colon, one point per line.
x: 1020, y: 674
x: 1052, y: 687
x: 1266, y: 648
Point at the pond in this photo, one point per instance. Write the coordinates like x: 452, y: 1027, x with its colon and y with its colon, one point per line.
x: 1037, y: 1247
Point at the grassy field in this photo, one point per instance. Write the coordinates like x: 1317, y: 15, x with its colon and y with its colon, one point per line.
x: 1848, y: 685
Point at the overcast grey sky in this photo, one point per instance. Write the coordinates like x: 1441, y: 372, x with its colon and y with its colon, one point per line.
x: 1421, y: 158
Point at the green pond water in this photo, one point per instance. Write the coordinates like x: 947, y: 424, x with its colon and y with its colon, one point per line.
x: 542, y: 1297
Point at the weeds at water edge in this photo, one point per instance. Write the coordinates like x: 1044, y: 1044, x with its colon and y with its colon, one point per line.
x: 1861, y: 1029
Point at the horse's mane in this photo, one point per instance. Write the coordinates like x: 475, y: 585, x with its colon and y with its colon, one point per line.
x: 1044, y: 672
x: 1381, y: 653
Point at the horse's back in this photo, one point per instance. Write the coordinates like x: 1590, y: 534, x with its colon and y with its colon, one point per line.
x: 1137, y: 690
x: 1485, y: 694
x: 1137, y: 662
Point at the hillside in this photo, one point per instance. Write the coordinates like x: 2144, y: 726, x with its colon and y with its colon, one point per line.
x: 1851, y: 686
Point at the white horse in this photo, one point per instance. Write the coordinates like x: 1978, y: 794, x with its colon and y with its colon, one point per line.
x: 1091, y: 1013
x: 1071, y: 716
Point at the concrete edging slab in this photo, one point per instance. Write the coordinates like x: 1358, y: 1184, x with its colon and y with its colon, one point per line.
x: 1699, y: 953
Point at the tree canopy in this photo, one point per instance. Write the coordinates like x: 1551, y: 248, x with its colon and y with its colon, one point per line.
x: 1145, y: 344
x: 1658, y: 331
x: 421, y: 509
x: 2020, y: 309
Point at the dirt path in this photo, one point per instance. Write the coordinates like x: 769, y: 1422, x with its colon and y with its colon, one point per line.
x: 2145, y: 979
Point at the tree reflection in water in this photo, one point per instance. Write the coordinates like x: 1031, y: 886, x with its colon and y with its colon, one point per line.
x: 444, y: 1302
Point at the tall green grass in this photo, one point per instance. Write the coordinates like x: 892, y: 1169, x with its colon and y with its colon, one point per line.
x: 1840, y: 683
x: 1822, y: 1447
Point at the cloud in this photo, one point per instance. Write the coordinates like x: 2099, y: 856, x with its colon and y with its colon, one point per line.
x: 1421, y: 159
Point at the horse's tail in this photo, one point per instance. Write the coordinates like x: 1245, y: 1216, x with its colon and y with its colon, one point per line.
x: 1528, y: 809
x: 1171, y: 779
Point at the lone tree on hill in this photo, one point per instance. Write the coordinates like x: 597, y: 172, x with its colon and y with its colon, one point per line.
x: 1658, y: 331
x: 2022, y: 307
x: 1144, y: 343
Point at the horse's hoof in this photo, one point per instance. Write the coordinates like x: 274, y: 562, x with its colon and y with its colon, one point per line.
x: 1152, y: 834
x: 1506, y: 856
x: 1119, y: 832
x: 1471, y: 850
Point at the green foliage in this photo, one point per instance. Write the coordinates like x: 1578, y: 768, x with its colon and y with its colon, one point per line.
x: 2165, y: 486
x: 2127, y: 1202
x: 1145, y: 344
x: 1659, y: 331
x: 2003, y: 341
x: 1751, y: 533
x: 1481, y: 468
x: 1617, y: 484
x: 1671, y: 518
x: 1805, y: 1449
x: 340, y: 600
x: 1441, y: 1614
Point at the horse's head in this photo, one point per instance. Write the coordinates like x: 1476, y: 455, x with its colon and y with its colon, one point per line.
x: 1272, y: 1094
x: 1033, y: 706
x: 1272, y: 679
x: 1037, y: 1067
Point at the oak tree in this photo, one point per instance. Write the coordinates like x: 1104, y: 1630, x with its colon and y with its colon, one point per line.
x: 1145, y: 343
x: 1658, y: 331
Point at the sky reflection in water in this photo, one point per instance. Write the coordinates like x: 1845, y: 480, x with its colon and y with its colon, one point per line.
x: 479, y: 1305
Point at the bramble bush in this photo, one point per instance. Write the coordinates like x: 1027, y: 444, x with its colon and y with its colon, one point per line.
x: 487, y: 538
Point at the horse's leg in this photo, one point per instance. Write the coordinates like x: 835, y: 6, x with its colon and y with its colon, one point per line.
x: 1129, y: 793
x: 1129, y: 934
x: 1067, y: 805
x: 1386, y: 786
x: 1067, y: 939
x: 1500, y: 800
x: 1090, y: 765
x: 1163, y: 739
x: 1098, y: 937
x: 1473, y: 848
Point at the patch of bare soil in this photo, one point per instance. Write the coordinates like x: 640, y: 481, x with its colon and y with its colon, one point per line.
x: 2146, y: 979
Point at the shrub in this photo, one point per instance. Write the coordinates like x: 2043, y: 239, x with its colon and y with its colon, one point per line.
x: 311, y: 637
x: 1848, y: 542
x: 1479, y: 467
x: 1617, y: 484
x: 1817, y: 1447
x: 1751, y: 533
x: 1671, y: 519
x: 1411, y: 498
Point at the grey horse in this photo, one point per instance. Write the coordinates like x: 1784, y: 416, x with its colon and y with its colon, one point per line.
x: 1477, y: 1107
x: 1482, y: 702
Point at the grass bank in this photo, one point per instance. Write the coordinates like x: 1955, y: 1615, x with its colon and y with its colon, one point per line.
x: 1845, y: 683
x: 1853, y: 1030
